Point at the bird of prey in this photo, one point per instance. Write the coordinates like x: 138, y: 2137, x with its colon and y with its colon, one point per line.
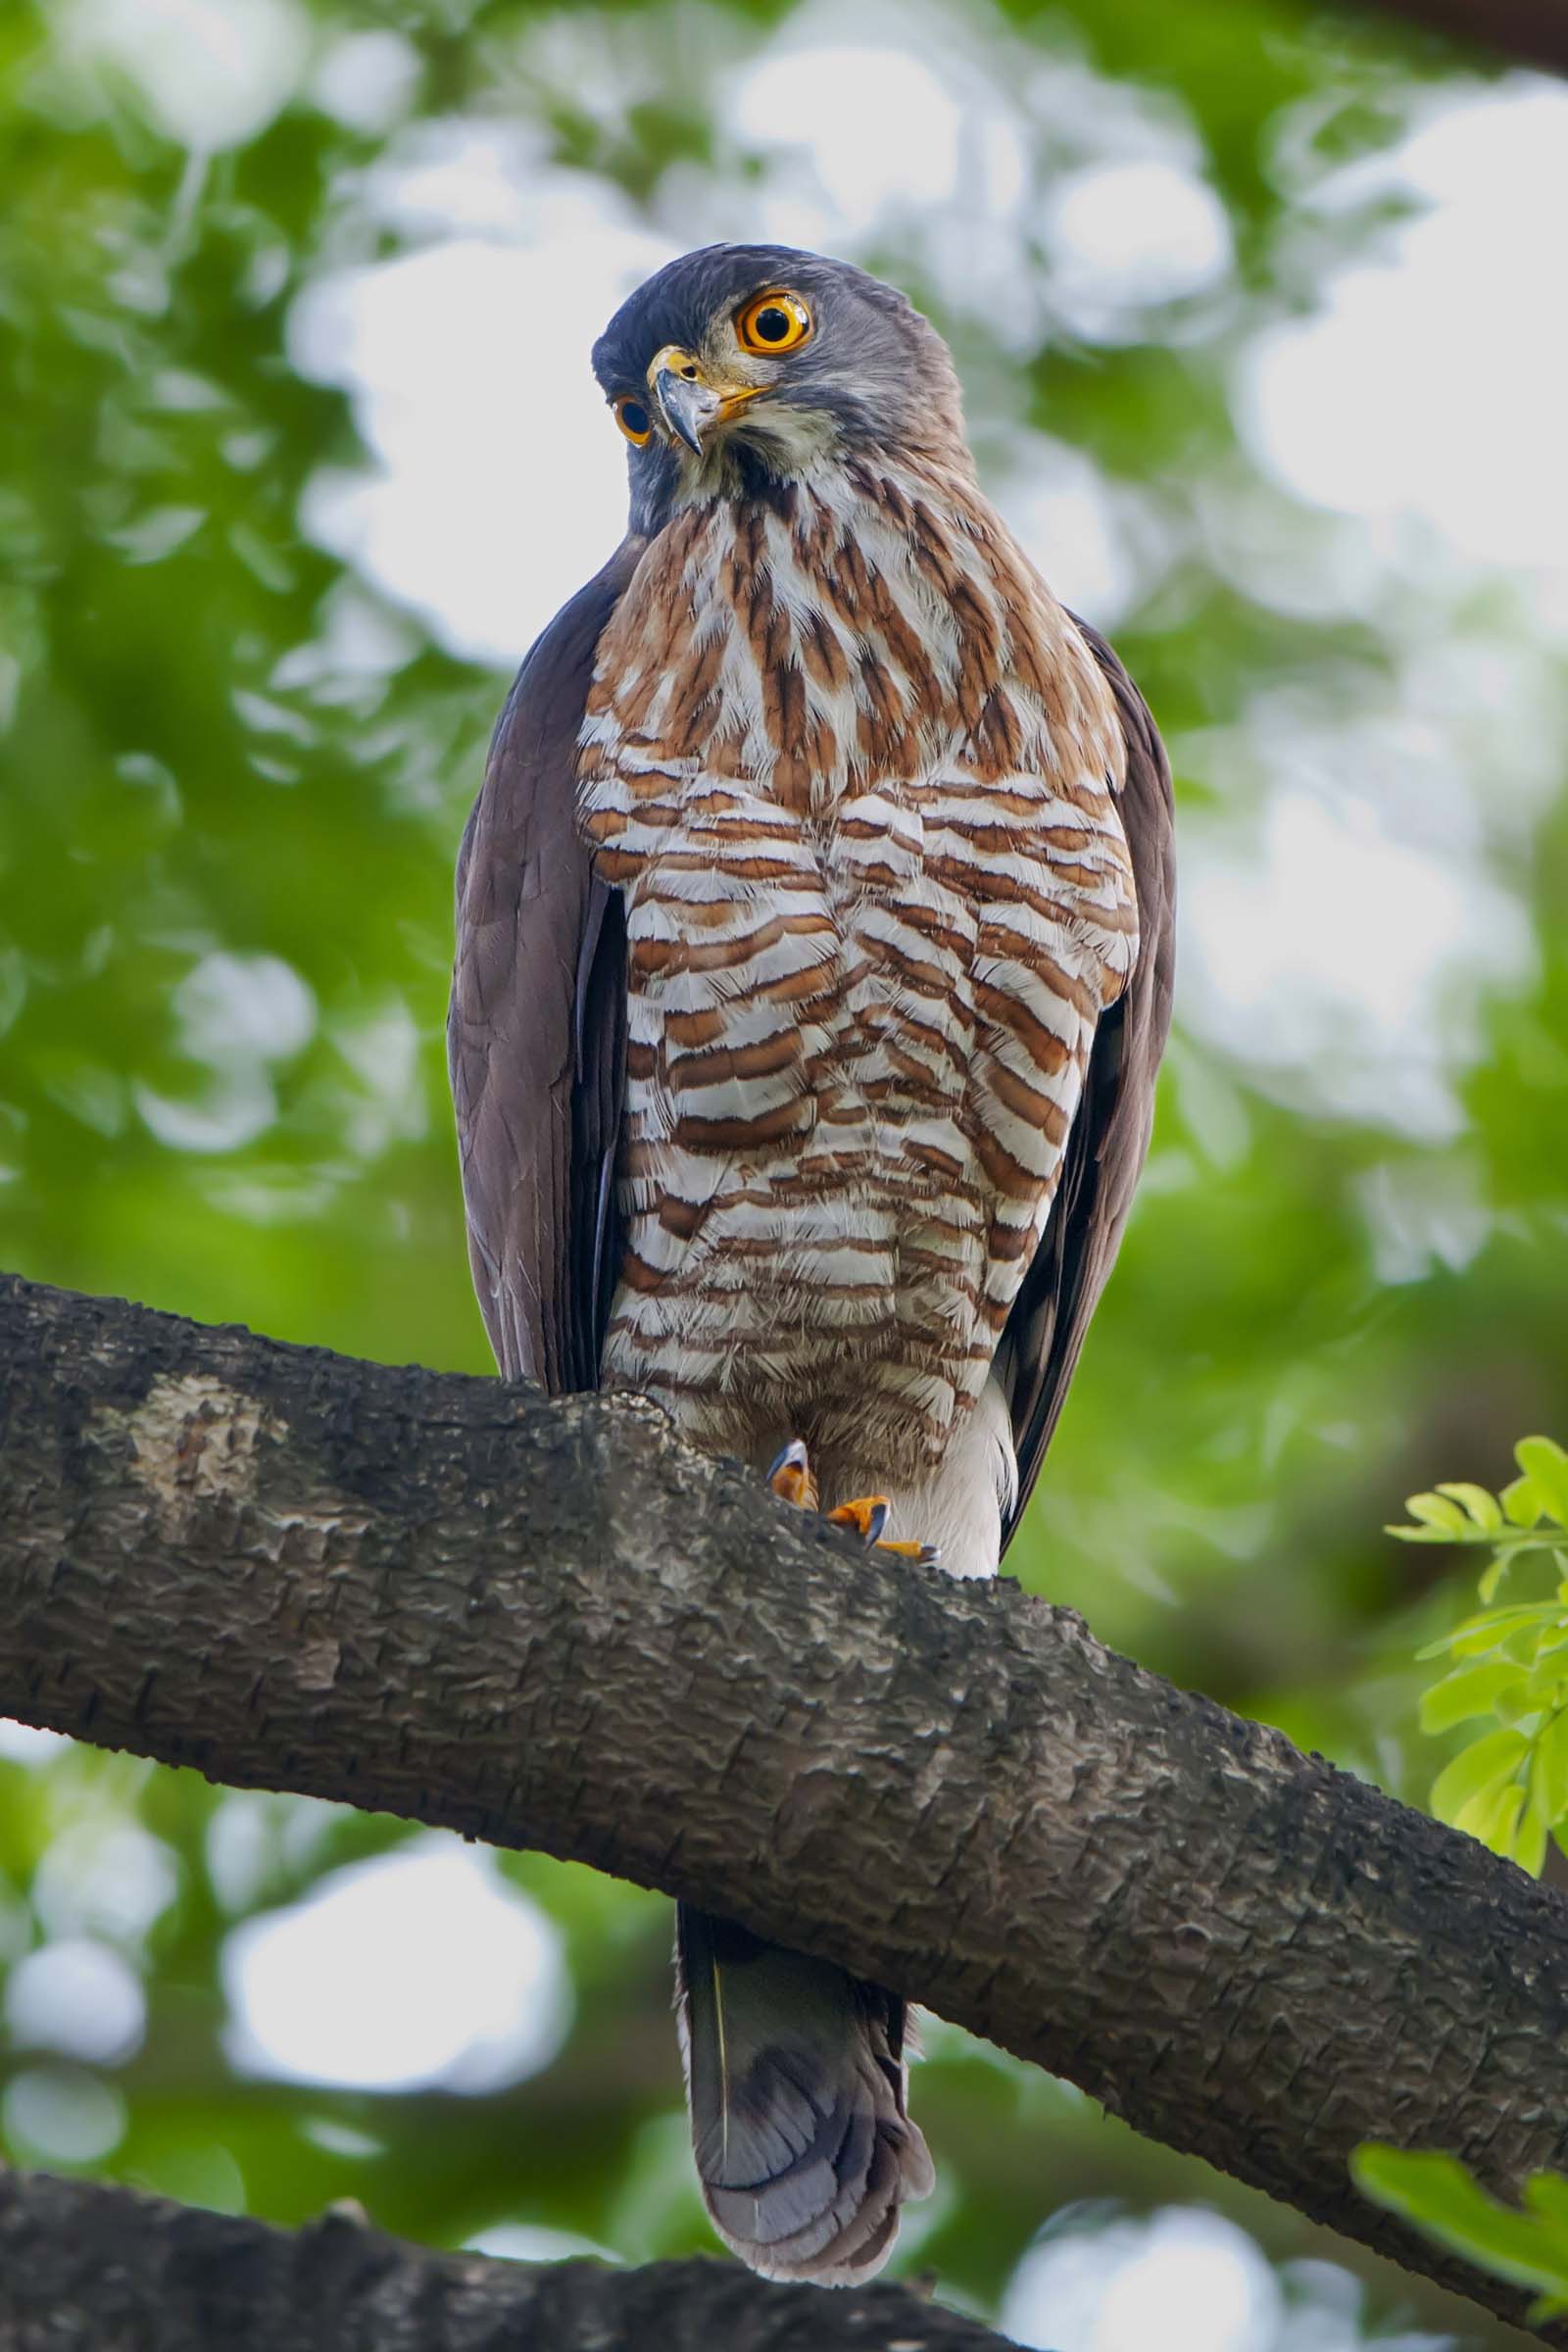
x: 813, y: 965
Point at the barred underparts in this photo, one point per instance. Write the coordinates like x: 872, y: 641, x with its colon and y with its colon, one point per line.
x: 813, y: 966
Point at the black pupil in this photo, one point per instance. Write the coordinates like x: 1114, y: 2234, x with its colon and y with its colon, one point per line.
x: 772, y: 324
x: 634, y: 417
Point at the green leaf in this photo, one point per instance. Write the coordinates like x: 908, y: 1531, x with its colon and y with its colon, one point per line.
x: 1491, y: 1577
x: 1521, y: 1502
x: 1486, y: 1764
x: 1545, y: 1465
x: 1548, y: 1771
x: 1490, y: 1627
x: 1484, y: 1509
x: 1530, y: 1850
x: 1493, y: 1816
x: 1433, y: 1511
x: 1438, y: 2196
x: 1473, y: 1691
x: 1435, y: 1649
x: 1546, y: 2195
x: 1544, y: 1685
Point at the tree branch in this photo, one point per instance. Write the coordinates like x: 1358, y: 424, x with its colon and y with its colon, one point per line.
x: 1524, y: 33
x: 85, y: 2269
x: 548, y: 1624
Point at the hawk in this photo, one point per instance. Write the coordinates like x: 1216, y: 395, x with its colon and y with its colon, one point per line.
x: 813, y: 964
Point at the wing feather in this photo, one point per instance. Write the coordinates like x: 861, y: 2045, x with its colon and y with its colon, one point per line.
x: 536, y: 1027
x: 1109, y: 1139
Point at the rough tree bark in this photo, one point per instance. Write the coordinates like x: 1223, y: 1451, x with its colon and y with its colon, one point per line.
x: 549, y: 1625
x: 83, y: 2269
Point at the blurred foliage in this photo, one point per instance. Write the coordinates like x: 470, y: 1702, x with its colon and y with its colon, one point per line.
x: 234, y: 768
x: 1508, y: 1787
x: 1528, y: 2248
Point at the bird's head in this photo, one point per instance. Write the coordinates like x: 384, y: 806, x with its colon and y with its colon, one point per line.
x: 745, y: 362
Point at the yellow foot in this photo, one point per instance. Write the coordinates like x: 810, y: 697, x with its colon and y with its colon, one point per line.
x: 868, y: 1515
x: 791, y: 1477
x: 793, y: 1481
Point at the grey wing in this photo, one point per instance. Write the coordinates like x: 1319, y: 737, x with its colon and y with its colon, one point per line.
x: 1109, y: 1138
x: 536, y: 1027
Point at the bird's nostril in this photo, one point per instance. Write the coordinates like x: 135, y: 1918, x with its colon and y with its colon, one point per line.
x: 690, y: 374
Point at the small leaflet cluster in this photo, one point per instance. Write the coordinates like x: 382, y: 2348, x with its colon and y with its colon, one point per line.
x: 1527, y: 2244
x: 1509, y: 1660
x: 1508, y: 1787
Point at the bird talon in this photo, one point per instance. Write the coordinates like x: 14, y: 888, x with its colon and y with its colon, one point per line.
x: 791, y: 1477
x: 793, y: 1480
x: 867, y: 1516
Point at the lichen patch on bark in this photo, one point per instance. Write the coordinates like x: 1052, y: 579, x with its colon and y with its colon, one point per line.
x: 192, y: 1440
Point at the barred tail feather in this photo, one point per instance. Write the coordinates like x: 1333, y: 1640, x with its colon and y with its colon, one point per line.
x: 796, y: 2077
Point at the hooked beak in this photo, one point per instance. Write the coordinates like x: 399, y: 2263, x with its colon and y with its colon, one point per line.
x: 687, y: 400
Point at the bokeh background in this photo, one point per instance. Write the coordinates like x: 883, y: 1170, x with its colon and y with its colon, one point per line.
x: 1263, y: 323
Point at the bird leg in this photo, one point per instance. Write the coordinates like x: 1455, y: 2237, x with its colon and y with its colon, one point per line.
x: 793, y: 1481
x: 867, y: 1515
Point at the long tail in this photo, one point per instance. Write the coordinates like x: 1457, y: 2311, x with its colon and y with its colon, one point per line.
x: 796, y: 2076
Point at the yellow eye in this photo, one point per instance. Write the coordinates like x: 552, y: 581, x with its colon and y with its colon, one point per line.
x: 777, y: 320
x: 634, y: 419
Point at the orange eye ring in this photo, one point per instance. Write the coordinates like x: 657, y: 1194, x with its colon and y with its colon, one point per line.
x: 633, y: 417
x: 773, y: 322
